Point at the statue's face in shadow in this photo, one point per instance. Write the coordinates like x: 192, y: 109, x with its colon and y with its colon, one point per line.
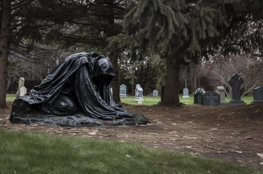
x: 101, y: 80
x: 103, y: 73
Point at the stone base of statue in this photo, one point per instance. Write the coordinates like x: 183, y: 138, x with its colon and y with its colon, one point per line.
x: 24, y: 113
x: 77, y: 120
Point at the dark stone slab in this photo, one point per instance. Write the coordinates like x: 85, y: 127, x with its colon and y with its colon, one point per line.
x: 235, y: 83
x: 198, y: 96
x: 258, y: 95
x: 211, y: 98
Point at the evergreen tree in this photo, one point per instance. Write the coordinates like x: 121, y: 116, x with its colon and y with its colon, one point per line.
x: 81, y: 25
x: 185, y: 31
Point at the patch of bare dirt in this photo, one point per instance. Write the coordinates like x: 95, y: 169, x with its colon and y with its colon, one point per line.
x: 231, y: 133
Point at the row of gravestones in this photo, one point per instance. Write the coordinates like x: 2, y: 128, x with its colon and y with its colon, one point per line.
x: 210, y: 98
x: 138, y: 91
x: 214, y: 98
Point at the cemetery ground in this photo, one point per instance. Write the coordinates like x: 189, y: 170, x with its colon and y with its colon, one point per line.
x: 232, y: 134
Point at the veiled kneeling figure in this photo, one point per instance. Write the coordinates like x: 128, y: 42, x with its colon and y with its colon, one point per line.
x: 75, y: 93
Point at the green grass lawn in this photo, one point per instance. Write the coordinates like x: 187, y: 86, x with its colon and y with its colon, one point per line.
x: 27, y: 152
x: 149, y: 100
x: 10, y: 97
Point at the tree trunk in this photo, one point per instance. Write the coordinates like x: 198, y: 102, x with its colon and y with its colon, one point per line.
x: 171, y: 94
x: 194, y: 80
x: 10, y: 82
x: 4, y: 48
x: 114, y: 55
x: 115, y: 82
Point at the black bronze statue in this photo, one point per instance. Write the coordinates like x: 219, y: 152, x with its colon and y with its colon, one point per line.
x: 75, y: 93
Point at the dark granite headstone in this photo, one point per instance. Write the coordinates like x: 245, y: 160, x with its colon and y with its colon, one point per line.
x: 258, y: 95
x: 198, y: 96
x: 235, y: 83
x: 211, y: 98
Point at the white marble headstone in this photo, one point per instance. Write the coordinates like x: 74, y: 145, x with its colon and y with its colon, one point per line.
x: 22, y: 91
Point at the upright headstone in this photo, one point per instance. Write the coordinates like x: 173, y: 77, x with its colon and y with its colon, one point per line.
x: 221, y: 91
x: 123, y: 91
x: 258, y: 95
x: 138, y: 92
x: 155, y: 93
x: 235, y: 83
x: 185, y: 91
x: 198, y: 96
x: 21, y: 83
x: 22, y: 91
x: 211, y: 98
x: 140, y: 101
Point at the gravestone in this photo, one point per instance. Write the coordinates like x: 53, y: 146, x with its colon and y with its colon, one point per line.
x: 258, y: 95
x: 123, y: 91
x: 185, y: 91
x: 21, y: 83
x: 138, y: 92
x: 211, y: 98
x: 235, y: 83
x: 140, y: 101
x: 22, y: 91
x: 221, y: 91
x: 155, y: 93
x: 198, y: 96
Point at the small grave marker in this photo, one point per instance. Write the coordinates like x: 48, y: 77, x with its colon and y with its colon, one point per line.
x: 211, y: 98
x: 21, y: 83
x: 185, y: 91
x: 140, y: 100
x: 155, y: 93
x: 258, y: 95
x: 22, y: 91
x: 198, y: 96
x: 123, y: 91
x: 221, y: 91
x: 138, y: 92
